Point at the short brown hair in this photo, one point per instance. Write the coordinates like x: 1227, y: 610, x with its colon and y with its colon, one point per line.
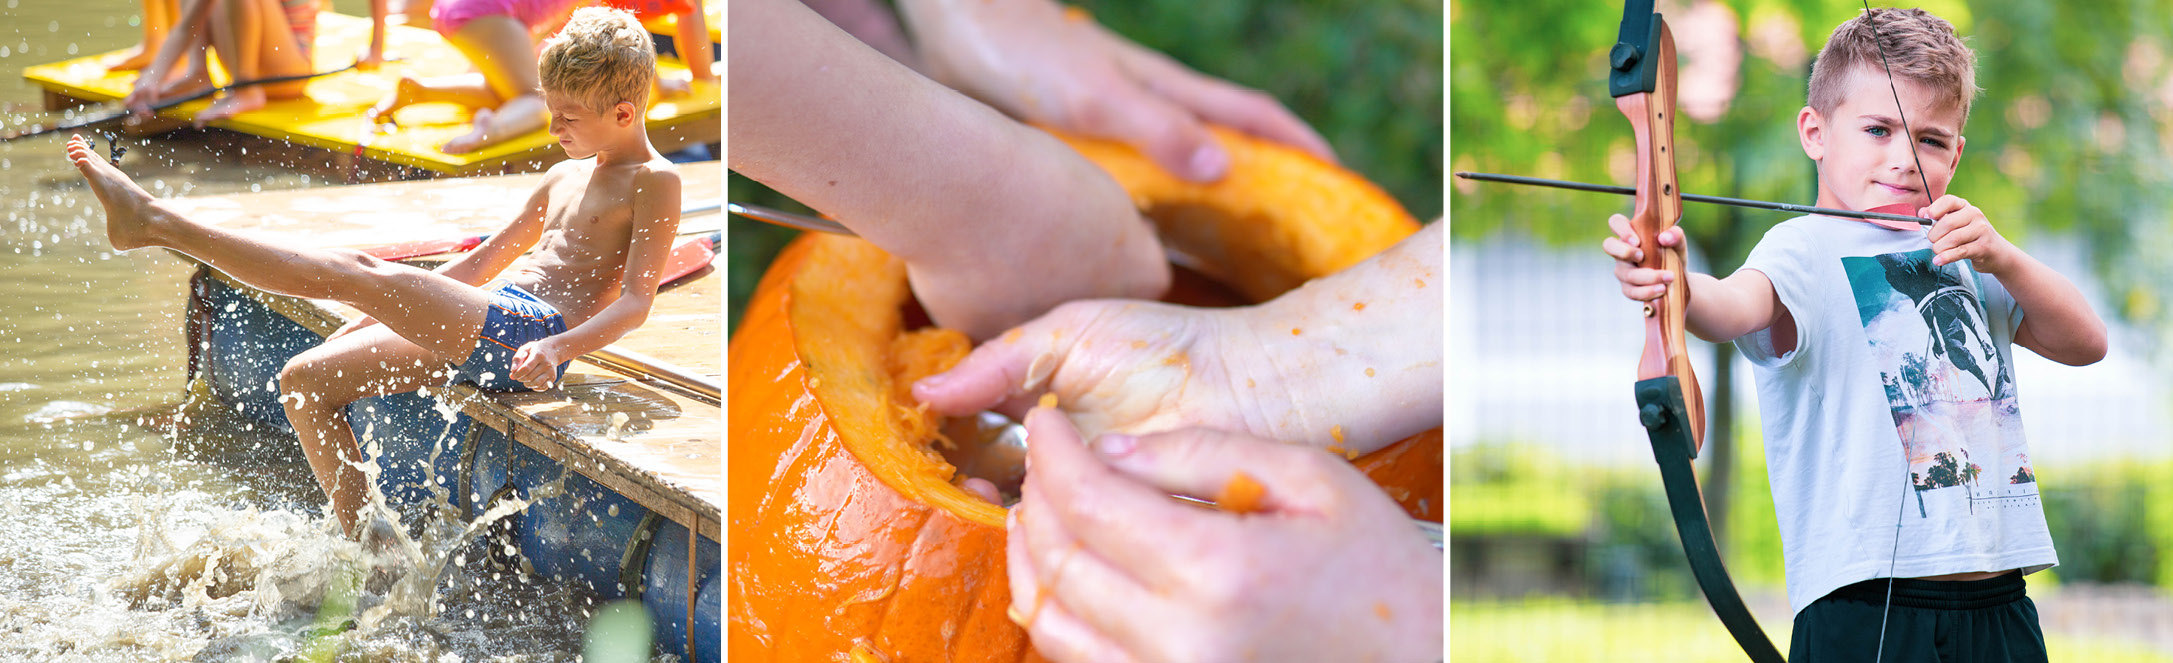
x: 1918, y: 46
x: 602, y: 57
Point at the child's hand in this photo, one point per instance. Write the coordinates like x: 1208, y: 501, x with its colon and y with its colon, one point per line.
x: 1042, y: 63
x: 142, y: 97
x: 535, y: 365
x: 1638, y: 283
x: 1118, y: 366
x: 352, y: 327
x: 1960, y: 232
x: 1105, y: 566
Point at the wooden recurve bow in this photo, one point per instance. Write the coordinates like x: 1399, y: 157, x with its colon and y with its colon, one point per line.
x: 1669, y: 402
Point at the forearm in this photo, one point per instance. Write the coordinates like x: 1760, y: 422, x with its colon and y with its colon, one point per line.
x: 892, y: 155
x: 693, y: 44
x: 2057, y: 322
x: 1722, y: 310
x: 871, y: 23
x: 475, y: 267
x: 609, y: 325
x: 998, y: 221
x: 1361, y: 349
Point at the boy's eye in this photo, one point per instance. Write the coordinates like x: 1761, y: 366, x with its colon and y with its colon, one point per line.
x: 1877, y: 132
x: 1934, y: 142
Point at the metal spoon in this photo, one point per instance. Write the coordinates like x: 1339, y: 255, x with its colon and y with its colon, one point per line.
x: 992, y: 447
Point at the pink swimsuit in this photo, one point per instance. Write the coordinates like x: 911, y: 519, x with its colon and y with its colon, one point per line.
x: 539, y: 15
x: 450, y: 15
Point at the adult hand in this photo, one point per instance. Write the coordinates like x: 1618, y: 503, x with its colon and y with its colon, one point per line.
x: 535, y: 364
x: 1105, y: 566
x: 1121, y: 366
x: 1042, y: 63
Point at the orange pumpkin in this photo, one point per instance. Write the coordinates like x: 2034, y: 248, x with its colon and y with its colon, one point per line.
x: 850, y: 540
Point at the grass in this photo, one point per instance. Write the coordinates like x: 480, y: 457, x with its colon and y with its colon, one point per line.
x: 1540, y: 630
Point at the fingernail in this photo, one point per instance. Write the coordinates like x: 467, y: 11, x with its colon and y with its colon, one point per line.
x: 1115, y: 445
x: 1208, y: 162
x: 932, y: 382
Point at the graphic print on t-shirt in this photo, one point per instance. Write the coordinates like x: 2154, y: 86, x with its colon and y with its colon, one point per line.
x: 1949, y: 387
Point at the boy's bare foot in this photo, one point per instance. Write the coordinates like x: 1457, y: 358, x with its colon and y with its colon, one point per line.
x: 234, y: 103
x: 403, y: 95
x: 474, y: 140
x: 129, y: 208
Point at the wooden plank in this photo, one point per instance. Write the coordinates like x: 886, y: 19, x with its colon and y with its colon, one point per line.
x: 332, y: 113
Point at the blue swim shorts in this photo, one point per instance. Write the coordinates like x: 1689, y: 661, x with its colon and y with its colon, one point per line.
x: 516, y: 317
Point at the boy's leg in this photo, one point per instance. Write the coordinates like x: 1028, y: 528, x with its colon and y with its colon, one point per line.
x: 502, y: 49
x: 316, y: 387
x: 431, y: 310
x: 254, y: 40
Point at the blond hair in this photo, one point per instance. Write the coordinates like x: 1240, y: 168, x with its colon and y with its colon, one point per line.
x: 601, y: 58
x: 1918, y: 46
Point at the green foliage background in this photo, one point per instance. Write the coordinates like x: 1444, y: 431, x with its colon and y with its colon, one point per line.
x: 1365, y: 73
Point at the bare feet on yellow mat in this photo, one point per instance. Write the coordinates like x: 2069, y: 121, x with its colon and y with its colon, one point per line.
x: 134, y: 60
x: 129, y: 209
x: 403, y: 95
x: 473, y: 140
x: 234, y: 103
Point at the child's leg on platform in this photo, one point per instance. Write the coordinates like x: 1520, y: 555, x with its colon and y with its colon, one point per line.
x: 501, y: 48
x: 158, y: 16
x: 469, y: 90
x: 254, y: 41
x: 317, y: 386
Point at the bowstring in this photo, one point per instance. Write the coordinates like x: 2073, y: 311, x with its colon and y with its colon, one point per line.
x: 1894, y: 557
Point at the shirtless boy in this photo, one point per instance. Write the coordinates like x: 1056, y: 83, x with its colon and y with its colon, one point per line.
x: 603, y: 224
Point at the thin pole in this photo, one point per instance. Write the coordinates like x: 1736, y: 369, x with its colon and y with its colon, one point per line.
x: 1711, y: 200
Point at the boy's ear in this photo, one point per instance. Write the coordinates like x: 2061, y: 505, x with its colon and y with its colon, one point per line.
x: 1811, y: 131
x: 625, y: 113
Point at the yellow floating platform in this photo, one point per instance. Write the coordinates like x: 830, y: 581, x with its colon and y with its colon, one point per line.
x: 331, y: 113
x: 712, y: 17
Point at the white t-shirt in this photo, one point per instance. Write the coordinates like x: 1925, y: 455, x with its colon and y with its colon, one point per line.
x: 1892, y: 357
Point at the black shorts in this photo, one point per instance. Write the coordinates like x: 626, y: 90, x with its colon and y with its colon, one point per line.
x: 1973, y: 621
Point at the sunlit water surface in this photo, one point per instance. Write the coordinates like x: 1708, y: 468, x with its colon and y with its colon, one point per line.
x: 124, y: 537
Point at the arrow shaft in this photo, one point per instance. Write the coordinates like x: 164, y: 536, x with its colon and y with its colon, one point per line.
x: 1692, y: 197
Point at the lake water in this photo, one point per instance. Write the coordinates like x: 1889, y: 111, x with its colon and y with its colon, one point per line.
x: 124, y: 537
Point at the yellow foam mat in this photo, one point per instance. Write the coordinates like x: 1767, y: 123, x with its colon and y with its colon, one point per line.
x: 712, y: 18
x: 331, y: 113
